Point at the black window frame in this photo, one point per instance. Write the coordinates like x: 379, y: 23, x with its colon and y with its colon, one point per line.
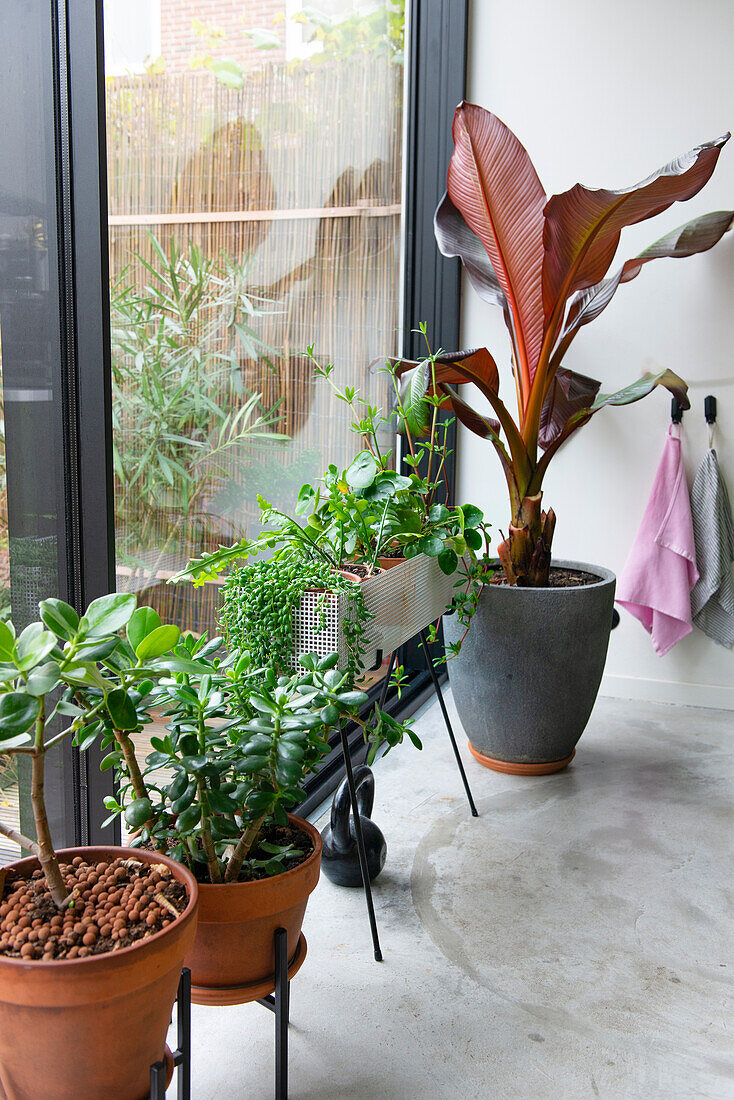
x: 436, y: 60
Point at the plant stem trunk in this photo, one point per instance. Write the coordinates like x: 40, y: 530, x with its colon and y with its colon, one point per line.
x: 19, y: 839
x: 212, y: 862
x: 46, y: 855
x: 127, y: 749
x: 526, y: 552
x: 244, y: 844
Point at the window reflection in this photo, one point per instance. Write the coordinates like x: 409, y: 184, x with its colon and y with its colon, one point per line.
x: 254, y: 197
x: 30, y: 444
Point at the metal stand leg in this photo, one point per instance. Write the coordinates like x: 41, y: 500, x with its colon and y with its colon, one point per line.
x: 441, y: 703
x: 359, y: 837
x: 158, y: 1081
x: 182, y: 1054
x: 280, y: 1004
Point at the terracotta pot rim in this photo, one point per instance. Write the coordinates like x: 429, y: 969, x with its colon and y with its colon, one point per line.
x: 305, y: 827
x: 389, y: 561
x: 56, y: 965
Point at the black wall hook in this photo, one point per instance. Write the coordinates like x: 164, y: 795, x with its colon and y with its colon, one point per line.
x: 676, y: 410
x: 709, y: 409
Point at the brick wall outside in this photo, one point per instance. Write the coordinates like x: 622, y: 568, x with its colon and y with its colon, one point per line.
x: 179, y: 41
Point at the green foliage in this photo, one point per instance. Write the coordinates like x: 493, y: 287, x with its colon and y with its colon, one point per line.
x: 260, y: 600
x: 380, y: 30
x: 181, y: 408
x: 66, y: 667
x: 240, y: 741
x: 376, y: 30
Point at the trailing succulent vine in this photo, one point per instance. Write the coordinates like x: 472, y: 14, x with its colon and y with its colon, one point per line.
x: 260, y: 600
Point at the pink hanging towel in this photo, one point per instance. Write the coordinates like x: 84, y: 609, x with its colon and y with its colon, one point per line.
x: 660, y: 571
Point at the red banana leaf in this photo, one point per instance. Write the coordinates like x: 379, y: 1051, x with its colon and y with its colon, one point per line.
x: 695, y: 236
x: 568, y: 393
x: 583, y: 226
x: 635, y: 391
x: 455, y: 239
x: 492, y: 181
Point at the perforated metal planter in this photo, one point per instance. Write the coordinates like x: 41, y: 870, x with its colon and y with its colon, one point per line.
x: 401, y: 601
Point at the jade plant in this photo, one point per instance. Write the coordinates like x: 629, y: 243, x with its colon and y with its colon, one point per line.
x: 545, y: 262
x: 239, y: 742
x: 67, y: 676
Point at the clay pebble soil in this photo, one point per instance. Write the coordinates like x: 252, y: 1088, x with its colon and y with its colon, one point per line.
x: 113, y: 905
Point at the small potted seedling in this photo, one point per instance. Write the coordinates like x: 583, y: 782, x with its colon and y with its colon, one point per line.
x: 92, y: 940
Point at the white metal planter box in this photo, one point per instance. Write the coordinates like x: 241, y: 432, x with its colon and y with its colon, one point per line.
x: 401, y: 601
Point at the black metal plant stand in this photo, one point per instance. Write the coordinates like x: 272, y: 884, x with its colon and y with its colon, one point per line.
x: 277, y: 1002
x: 358, y: 835
x: 182, y: 1053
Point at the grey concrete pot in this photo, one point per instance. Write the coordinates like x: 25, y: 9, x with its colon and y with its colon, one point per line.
x: 529, y: 670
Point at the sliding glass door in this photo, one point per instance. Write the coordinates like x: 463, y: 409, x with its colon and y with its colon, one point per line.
x: 255, y: 178
x: 177, y: 225
x: 32, y: 445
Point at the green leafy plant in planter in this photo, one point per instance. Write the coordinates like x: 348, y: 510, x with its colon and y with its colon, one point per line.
x: 260, y: 600
x: 545, y: 263
x: 383, y: 512
x: 355, y: 520
x: 370, y: 510
x: 71, y: 669
x: 64, y: 914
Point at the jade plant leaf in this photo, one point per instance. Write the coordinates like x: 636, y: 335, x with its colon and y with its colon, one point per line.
x: 43, y: 679
x: 18, y: 712
x: 108, y: 613
x: 159, y: 641
x: 142, y: 622
x: 59, y: 617
x: 33, y: 646
x: 122, y: 710
x: 7, y: 641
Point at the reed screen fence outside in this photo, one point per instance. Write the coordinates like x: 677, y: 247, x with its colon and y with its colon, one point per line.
x: 277, y: 207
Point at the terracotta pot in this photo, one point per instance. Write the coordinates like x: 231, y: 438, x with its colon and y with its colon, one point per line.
x: 92, y: 1027
x: 232, y: 960
x: 390, y: 563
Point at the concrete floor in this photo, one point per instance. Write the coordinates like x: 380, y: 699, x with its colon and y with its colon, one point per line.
x: 573, y: 941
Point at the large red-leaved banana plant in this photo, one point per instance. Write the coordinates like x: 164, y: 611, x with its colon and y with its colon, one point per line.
x: 545, y: 262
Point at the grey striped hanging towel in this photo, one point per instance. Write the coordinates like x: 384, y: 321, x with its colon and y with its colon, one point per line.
x: 712, y: 599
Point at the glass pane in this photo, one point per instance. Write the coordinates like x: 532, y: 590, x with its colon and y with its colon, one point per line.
x: 255, y: 209
x: 30, y: 446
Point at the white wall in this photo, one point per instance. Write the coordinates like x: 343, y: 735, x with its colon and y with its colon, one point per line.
x: 605, y: 94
